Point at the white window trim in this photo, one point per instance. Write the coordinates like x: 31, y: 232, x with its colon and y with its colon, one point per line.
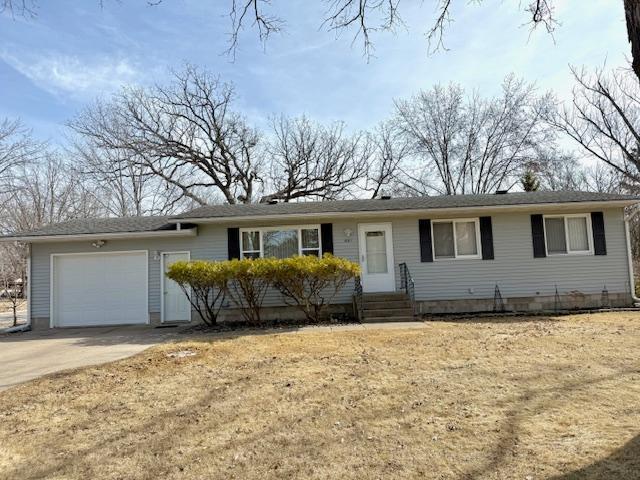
x: 587, y: 216
x: 299, y: 228
x: 477, y: 256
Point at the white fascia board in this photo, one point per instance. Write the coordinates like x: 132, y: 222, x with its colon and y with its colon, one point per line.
x: 191, y: 232
x: 413, y: 212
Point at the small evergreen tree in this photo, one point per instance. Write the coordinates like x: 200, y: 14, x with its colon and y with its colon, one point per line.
x: 529, y: 181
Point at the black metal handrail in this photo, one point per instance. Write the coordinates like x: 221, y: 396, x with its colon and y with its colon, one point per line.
x: 357, y: 299
x: 408, y: 285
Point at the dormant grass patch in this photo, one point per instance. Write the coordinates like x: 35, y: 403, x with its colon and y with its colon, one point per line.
x: 517, y: 398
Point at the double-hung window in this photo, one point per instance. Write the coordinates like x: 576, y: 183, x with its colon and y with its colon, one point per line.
x: 456, y: 239
x: 280, y: 242
x: 567, y: 234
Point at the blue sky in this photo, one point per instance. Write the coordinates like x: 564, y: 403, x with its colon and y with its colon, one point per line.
x: 73, y: 52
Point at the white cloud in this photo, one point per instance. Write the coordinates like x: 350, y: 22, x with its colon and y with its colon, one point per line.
x: 65, y: 74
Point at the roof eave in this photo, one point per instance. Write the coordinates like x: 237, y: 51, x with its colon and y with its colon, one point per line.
x: 411, y: 212
x: 190, y: 232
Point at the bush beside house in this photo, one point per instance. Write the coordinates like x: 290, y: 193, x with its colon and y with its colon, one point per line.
x: 306, y: 282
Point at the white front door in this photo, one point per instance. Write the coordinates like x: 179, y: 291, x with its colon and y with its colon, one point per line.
x: 175, y: 304
x: 376, y: 257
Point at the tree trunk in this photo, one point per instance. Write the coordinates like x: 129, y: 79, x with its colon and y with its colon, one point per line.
x: 15, y: 315
x: 632, y: 14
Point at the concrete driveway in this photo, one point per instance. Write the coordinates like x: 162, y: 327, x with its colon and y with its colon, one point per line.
x: 25, y: 356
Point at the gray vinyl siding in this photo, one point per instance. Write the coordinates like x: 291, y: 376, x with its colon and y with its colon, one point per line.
x: 514, y: 269
x: 211, y: 243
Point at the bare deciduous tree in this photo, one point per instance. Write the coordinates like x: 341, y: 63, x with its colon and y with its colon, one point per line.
x: 12, y: 276
x: 365, y: 17
x: 46, y: 192
x: 17, y: 147
x: 470, y: 144
x: 390, y: 150
x: 185, y: 133
x: 558, y: 170
x: 124, y: 186
x: 602, y: 178
x: 23, y: 8
x: 244, y: 11
x: 604, y: 121
x: 309, y: 160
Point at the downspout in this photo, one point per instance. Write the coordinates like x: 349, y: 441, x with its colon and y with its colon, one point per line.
x: 632, y: 280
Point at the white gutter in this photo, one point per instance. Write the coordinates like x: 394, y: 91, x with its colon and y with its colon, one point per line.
x: 632, y: 279
x: 191, y: 232
x: 409, y: 212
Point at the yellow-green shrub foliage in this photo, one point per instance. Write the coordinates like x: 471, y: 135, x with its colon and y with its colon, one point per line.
x: 205, y: 285
x: 308, y: 282
x: 311, y: 283
x: 249, y: 281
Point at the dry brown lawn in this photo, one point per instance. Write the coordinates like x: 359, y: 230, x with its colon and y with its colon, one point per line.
x: 519, y: 398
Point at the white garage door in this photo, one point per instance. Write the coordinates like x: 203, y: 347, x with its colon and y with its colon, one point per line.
x: 100, y: 289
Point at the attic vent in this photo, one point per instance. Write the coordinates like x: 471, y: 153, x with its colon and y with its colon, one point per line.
x: 502, y: 192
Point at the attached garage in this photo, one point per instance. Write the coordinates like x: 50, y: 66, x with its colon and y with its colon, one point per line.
x: 97, y: 289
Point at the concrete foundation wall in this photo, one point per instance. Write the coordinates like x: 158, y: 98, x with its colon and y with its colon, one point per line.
x: 566, y: 301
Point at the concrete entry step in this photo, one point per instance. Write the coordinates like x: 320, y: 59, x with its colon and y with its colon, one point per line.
x: 387, y: 312
x: 386, y: 307
x: 384, y: 296
x: 406, y: 318
x: 391, y: 304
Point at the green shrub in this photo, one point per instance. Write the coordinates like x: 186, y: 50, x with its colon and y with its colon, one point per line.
x: 204, y: 284
x: 311, y: 283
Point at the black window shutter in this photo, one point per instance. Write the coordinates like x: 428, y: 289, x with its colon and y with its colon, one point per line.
x: 537, y: 234
x: 426, y: 253
x: 326, y: 234
x: 233, y: 242
x: 599, y: 240
x: 486, y: 238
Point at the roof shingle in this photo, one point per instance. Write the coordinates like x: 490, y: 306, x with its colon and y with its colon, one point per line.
x: 87, y: 226
x: 410, y: 203
x: 150, y: 224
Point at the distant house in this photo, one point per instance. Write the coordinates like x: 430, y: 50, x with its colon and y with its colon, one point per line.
x: 539, y: 249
